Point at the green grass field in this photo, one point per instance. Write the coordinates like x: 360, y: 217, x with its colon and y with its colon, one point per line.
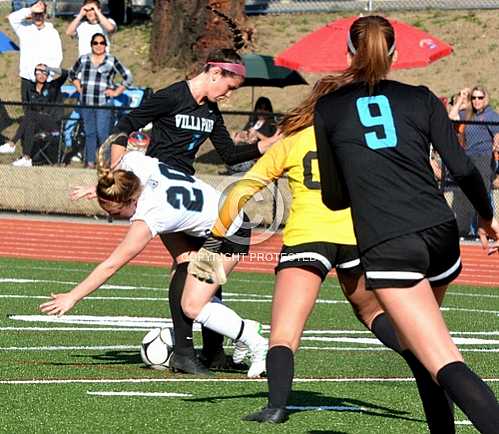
x: 345, y: 381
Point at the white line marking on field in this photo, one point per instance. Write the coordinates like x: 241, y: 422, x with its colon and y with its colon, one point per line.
x: 68, y: 348
x: 460, y: 309
x: 324, y: 408
x: 463, y: 422
x: 216, y: 380
x: 149, y: 394
x: 465, y: 294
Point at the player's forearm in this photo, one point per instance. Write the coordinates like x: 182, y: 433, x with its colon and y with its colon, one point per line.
x: 94, y: 280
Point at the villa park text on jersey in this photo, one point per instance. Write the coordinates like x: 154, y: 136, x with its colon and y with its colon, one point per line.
x: 195, y: 123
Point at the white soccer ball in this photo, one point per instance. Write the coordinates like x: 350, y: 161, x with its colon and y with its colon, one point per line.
x: 157, y: 348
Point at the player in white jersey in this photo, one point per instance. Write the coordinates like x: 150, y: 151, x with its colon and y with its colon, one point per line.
x: 158, y: 199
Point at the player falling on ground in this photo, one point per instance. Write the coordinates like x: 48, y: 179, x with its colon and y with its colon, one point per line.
x: 315, y: 240
x: 159, y: 199
x: 183, y: 116
x: 373, y: 140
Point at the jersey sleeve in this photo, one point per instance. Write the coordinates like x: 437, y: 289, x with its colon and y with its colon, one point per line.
x: 159, y: 104
x: 268, y: 168
x: 444, y: 139
x: 333, y: 189
x: 228, y: 151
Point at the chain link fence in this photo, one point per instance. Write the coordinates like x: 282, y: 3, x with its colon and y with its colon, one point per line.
x: 255, y: 7
x: 58, y: 158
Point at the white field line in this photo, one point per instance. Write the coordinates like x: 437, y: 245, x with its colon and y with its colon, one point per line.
x: 148, y: 394
x: 137, y: 347
x: 111, y: 298
x: 465, y: 294
x: 215, y: 380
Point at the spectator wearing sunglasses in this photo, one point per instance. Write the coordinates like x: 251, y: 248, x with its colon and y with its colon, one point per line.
x: 480, y: 139
x: 87, y: 23
x: 39, y: 42
x: 39, y: 117
x: 93, y: 76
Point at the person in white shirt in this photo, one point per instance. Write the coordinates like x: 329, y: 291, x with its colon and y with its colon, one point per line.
x: 159, y: 199
x: 87, y: 23
x: 39, y: 42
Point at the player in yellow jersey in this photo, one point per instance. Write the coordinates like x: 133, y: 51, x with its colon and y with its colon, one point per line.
x: 315, y: 239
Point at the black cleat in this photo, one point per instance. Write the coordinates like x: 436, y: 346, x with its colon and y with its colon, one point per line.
x: 188, y: 365
x: 220, y: 361
x: 268, y: 414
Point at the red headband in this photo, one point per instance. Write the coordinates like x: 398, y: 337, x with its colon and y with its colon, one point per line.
x: 236, y: 68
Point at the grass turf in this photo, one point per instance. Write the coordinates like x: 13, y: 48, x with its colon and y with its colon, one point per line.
x: 353, y: 406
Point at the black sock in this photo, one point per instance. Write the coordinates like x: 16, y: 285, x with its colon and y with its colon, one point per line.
x: 471, y: 395
x: 280, y: 372
x: 438, y: 408
x: 383, y: 329
x: 182, y: 325
x: 213, y: 342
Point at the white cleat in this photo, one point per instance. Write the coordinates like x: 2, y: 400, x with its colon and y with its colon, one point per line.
x: 8, y: 148
x: 258, y: 355
x: 240, y: 352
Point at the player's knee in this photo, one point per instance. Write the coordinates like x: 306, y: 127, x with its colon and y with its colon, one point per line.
x: 366, y: 310
x: 190, y: 307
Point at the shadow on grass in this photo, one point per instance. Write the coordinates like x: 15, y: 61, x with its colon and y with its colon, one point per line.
x: 116, y: 357
x: 304, y: 401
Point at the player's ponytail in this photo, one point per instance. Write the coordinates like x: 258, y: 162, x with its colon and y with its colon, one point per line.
x: 371, y: 43
x: 118, y: 186
x: 227, y: 59
x: 237, y: 35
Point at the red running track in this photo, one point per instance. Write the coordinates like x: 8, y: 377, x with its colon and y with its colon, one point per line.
x: 92, y: 242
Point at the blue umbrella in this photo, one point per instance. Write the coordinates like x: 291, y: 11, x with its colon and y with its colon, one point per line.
x: 6, y: 44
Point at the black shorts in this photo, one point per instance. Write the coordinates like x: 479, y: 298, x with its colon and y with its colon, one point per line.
x: 320, y: 258
x: 404, y: 261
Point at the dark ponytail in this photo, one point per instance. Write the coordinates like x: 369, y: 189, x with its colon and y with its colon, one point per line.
x: 237, y: 35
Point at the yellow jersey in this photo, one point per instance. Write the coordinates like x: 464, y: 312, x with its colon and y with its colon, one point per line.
x: 309, y: 219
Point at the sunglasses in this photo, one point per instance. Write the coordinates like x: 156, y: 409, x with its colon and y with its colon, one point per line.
x: 41, y: 71
x: 88, y: 9
x: 37, y: 15
x: 99, y: 43
x: 478, y: 97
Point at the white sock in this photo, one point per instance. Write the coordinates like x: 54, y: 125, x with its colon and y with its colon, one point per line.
x: 220, y: 319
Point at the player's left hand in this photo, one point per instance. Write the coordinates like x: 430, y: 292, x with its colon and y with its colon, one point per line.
x: 207, y: 267
x: 486, y: 230
x: 82, y: 192
x: 265, y: 143
x: 59, y: 305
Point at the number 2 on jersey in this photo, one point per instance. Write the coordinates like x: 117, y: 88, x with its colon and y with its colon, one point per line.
x: 384, y: 119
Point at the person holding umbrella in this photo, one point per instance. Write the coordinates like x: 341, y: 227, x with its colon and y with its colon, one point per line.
x: 373, y: 139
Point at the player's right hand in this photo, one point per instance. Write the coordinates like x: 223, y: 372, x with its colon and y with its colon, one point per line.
x: 59, y: 305
x: 486, y: 230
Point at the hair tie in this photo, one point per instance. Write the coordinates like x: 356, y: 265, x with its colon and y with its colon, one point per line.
x: 353, y: 50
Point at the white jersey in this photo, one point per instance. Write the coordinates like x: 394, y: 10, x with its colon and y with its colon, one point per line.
x: 172, y: 201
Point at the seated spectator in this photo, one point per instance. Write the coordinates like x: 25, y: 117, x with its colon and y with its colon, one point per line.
x: 87, y: 23
x: 38, y: 118
x: 93, y: 75
x: 261, y: 124
x: 39, y: 42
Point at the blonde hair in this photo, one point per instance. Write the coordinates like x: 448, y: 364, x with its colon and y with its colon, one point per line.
x: 117, y: 186
x: 371, y: 44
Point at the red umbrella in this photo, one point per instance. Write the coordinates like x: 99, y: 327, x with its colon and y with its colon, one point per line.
x: 325, y: 50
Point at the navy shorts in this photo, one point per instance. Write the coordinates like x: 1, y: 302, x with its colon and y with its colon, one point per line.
x: 404, y: 261
x: 320, y: 258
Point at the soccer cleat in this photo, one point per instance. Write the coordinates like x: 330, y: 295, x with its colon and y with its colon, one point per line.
x: 258, y: 349
x: 268, y: 414
x: 8, y: 148
x: 241, y: 350
x: 188, y: 365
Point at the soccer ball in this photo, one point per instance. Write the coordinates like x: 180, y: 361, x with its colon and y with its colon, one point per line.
x: 157, y: 348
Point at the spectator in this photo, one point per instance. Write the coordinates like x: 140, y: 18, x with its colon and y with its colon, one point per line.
x: 93, y: 76
x: 38, y: 118
x: 480, y: 140
x: 87, y: 23
x: 261, y: 124
x: 39, y: 42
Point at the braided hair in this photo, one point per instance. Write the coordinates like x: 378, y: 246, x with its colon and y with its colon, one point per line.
x: 237, y: 35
